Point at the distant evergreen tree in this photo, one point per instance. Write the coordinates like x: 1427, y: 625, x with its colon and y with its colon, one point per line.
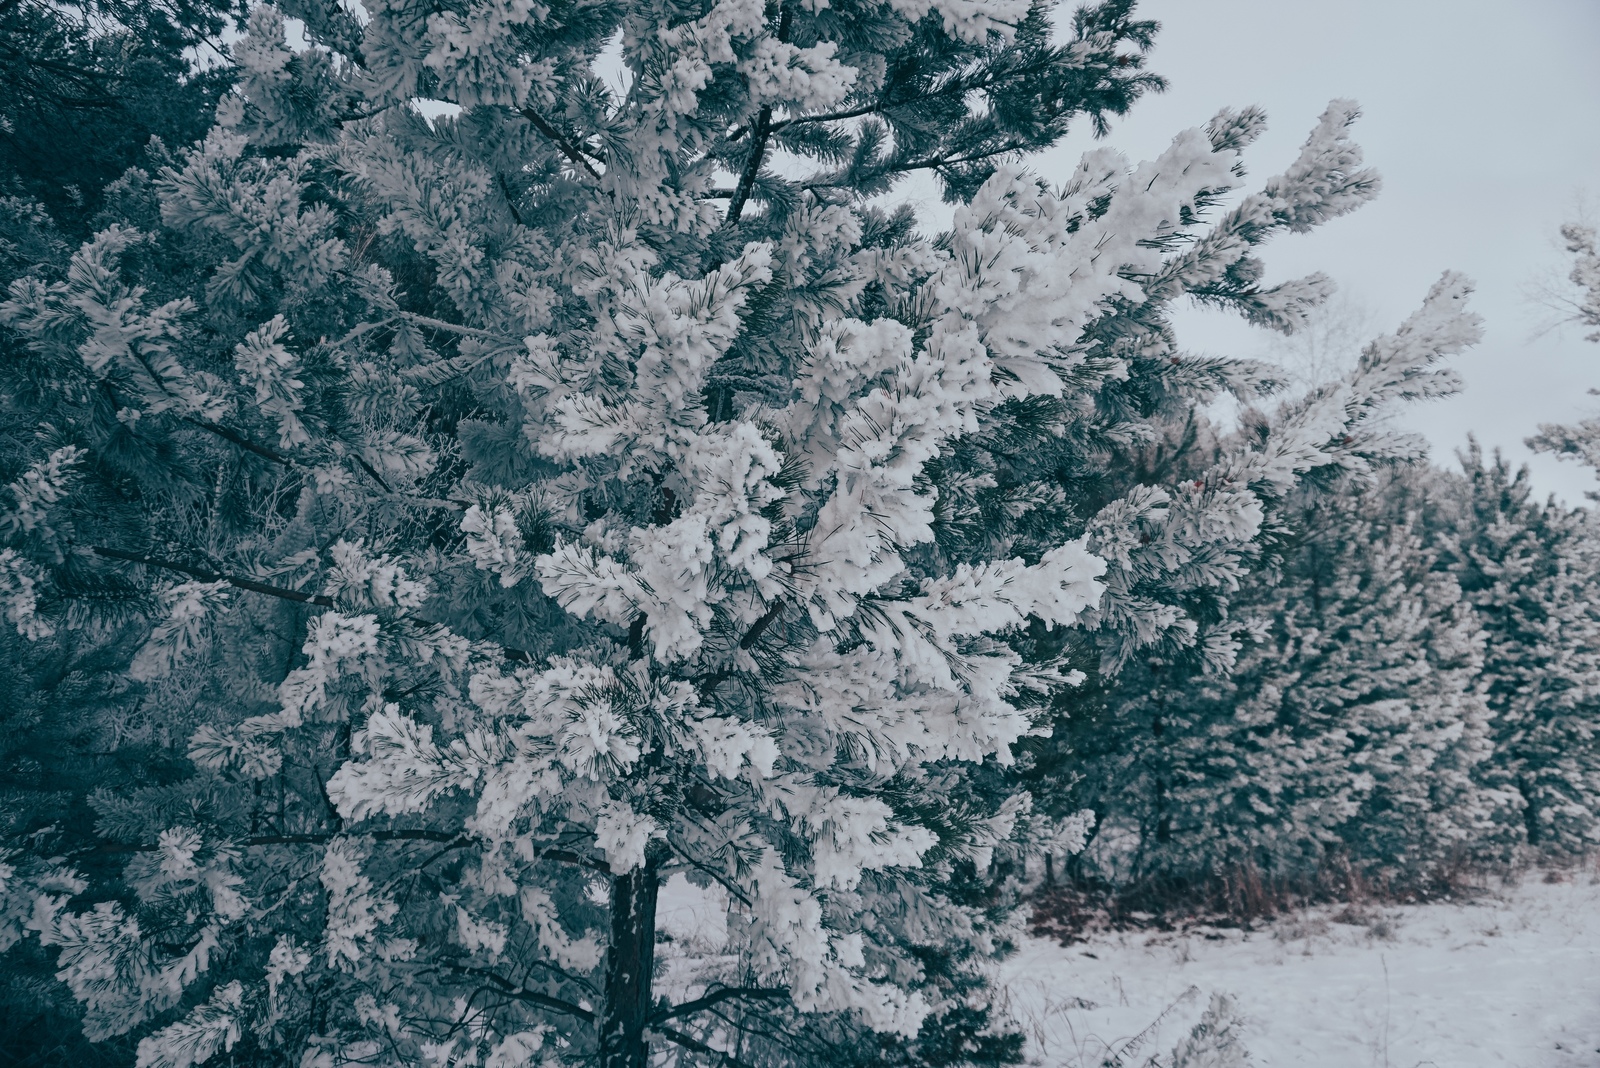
x: 1532, y: 574
x: 1546, y: 606
x: 1584, y: 276
x: 1351, y: 724
x: 1350, y: 728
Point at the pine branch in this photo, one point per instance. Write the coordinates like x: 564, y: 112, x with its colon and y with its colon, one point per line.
x: 227, y: 434
x: 452, y: 328
x: 752, y: 166
x: 636, y: 637
x: 459, y: 842
x: 276, y: 457
x: 243, y: 442
x: 672, y: 1034
x: 758, y: 149
x: 956, y: 86
x: 453, y: 841
x: 711, y: 680
x: 290, y: 462
x: 211, y: 576
x: 361, y: 114
x: 313, y: 838
x: 568, y: 149
x: 370, y: 470
x: 400, y: 835
x: 522, y: 993
x: 361, y: 330
x: 768, y: 617
x: 511, y: 200
x: 727, y: 884
x: 405, y: 834
x: 936, y: 162
x: 727, y: 993
x: 252, y: 586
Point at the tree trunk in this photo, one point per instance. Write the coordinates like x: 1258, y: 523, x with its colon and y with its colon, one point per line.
x: 629, y: 964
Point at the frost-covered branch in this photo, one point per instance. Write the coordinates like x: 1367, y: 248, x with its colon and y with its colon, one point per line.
x: 716, y: 997
x: 579, y: 158
x: 211, y: 576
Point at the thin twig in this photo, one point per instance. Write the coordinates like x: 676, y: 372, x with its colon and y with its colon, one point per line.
x: 452, y: 328
x: 727, y: 884
x: 291, y: 463
x: 727, y: 993
x: 568, y: 149
x: 408, y: 834
x: 522, y: 993
x: 400, y: 835
x: 753, y: 635
x: 243, y: 442
x: 672, y: 1034
x: 711, y: 680
x: 954, y: 87
x: 211, y: 576
x: 758, y: 148
x: 511, y: 200
x: 370, y: 470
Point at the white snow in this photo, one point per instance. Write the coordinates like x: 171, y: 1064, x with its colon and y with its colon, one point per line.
x: 693, y: 915
x: 1512, y: 979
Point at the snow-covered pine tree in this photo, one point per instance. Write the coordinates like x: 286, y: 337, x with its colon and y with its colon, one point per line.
x: 1530, y: 572
x: 1320, y: 734
x: 1580, y: 441
x: 543, y: 499
x: 254, y: 262
x: 1584, y: 276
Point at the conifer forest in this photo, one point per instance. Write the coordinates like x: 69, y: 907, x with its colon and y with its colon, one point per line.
x: 480, y: 477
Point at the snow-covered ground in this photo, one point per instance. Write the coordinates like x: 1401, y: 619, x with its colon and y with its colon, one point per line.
x: 1512, y: 979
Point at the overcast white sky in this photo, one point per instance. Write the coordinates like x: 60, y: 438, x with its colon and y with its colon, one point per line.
x: 1483, y: 117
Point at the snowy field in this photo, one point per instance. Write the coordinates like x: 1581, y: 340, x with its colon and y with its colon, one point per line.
x: 1512, y: 979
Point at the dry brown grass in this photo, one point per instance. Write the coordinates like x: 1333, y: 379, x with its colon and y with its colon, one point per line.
x: 1243, y: 895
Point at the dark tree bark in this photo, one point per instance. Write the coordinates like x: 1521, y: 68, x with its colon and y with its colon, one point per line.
x: 630, y: 963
